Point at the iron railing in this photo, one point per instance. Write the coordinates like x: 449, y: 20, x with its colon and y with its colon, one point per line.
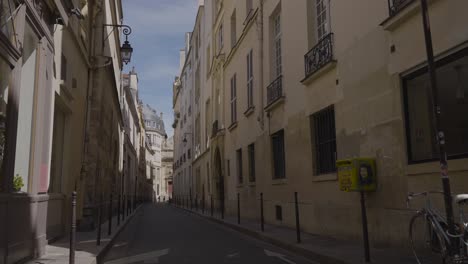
x: 319, y: 56
x: 395, y: 6
x: 275, y: 90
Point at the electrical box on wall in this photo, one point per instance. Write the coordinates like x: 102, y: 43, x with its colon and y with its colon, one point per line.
x: 357, y: 175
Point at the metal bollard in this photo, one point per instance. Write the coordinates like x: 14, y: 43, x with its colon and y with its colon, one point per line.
x: 238, y: 208
x: 118, y: 211
x: 211, y: 206
x: 298, y: 227
x: 98, y: 240
x: 262, y: 219
x: 73, y: 229
x: 109, y: 228
x: 203, y: 204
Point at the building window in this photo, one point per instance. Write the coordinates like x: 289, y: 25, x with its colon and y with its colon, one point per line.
x: 233, y: 29
x: 324, y: 136
x: 277, y: 45
x: 279, y: 164
x: 228, y: 168
x: 250, y: 79
x: 251, y: 150
x: 452, y: 82
x: 248, y: 8
x: 5, y: 72
x: 233, y: 100
x: 220, y: 38
x: 321, y: 9
x: 240, y: 177
x: 189, y: 153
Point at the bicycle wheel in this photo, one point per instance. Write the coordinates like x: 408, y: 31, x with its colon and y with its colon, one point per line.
x: 426, y: 242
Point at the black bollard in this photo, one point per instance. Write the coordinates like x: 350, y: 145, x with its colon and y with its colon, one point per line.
x: 109, y: 228
x: 262, y: 219
x: 73, y: 229
x: 118, y: 211
x: 365, y: 231
x: 211, y: 205
x: 238, y: 208
x: 298, y: 227
x: 98, y: 240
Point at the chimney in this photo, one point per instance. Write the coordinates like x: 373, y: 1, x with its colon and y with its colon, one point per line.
x: 187, y: 41
x: 181, y: 60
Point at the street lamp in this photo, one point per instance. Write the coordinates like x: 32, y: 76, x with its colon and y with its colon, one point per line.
x: 126, y: 50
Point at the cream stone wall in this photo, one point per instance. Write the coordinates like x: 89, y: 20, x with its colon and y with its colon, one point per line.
x: 371, y: 52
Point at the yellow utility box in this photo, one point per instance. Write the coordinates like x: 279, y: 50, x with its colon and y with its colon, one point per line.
x: 357, y: 175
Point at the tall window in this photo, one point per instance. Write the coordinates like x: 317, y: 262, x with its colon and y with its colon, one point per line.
x: 220, y: 38
x: 240, y: 177
x: 322, y: 18
x: 279, y: 163
x: 233, y: 29
x: 251, y: 150
x: 250, y: 79
x: 248, y: 8
x: 233, y: 100
x: 324, y: 135
x: 277, y: 44
x: 452, y: 77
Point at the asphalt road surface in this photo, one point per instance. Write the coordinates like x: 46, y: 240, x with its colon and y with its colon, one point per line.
x: 167, y: 235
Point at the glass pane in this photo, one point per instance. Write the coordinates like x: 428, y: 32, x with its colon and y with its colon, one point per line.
x: 7, y: 15
x: 5, y: 72
x: 23, y: 143
x: 453, y: 96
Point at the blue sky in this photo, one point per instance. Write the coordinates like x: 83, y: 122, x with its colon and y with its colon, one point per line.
x: 158, y: 33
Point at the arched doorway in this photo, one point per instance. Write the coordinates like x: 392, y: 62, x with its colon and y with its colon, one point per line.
x: 219, y: 178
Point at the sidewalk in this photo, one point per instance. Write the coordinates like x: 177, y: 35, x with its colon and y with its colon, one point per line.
x: 87, y: 252
x: 322, y: 249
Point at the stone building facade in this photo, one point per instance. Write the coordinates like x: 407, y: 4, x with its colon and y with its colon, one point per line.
x: 297, y: 85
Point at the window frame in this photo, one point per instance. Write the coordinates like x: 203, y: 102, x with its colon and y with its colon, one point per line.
x: 277, y: 45
x: 251, y: 157
x: 279, y: 134
x: 240, y: 176
x: 234, y: 99
x: 250, y: 79
x: 326, y: 21
x: 329, y: 110
x: 404, y: 78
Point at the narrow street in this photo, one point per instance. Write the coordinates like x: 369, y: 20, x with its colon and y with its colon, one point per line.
x: 168, y: 235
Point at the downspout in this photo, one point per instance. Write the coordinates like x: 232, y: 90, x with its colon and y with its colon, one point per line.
x: 261, y: 116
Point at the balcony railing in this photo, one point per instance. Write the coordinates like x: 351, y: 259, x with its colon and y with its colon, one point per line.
x: 395, y: 6
x: 319, y: 56
x: 275, y: 90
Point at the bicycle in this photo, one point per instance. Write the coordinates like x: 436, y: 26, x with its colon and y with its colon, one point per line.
x: 435, y: 240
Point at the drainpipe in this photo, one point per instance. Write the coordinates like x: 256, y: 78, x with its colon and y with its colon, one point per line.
x: 261, y: 117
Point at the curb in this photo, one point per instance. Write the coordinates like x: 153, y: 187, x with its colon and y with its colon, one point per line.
x: 109, y: 245
x: 292, y: 247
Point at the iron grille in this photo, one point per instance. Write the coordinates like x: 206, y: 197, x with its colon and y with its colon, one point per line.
x: 319, y: 56
x: 275, y: 90
x: 323, y: 123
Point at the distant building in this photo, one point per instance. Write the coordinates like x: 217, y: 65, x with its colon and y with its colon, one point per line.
x: 157, y: 138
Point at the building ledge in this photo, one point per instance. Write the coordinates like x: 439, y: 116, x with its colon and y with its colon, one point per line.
x: 279, y: 181
x: 240, y: 185
x: 249, y: 111
x: 275, y: 103
x: 325, y: 177
x: 252, y: 184
x: 232, y: 126
x: 314, y: 76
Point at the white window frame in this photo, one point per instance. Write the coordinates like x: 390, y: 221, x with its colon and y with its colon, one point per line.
x: 233, y: 100
x: 322, y: 16
x: 250, y: 79
x: 277, y: 45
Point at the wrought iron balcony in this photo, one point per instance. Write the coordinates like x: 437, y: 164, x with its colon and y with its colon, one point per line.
x: 275, y: 90
x: 395, y: 6
x: 319, y: 56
